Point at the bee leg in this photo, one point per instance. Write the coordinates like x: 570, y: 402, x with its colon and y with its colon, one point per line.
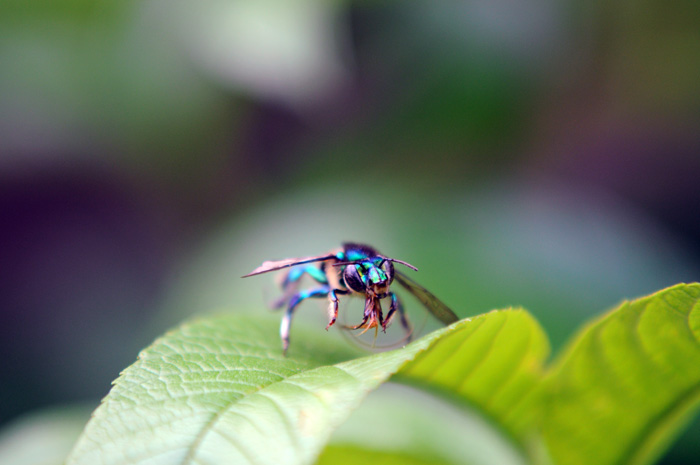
x: 382, y: 321
x: 291, y: 279
x: 362, y: 323
x: 396, y: 305
x: 333, y: 306
x: 369, y: 315
x: 320, y: 291
x: 296, y: 273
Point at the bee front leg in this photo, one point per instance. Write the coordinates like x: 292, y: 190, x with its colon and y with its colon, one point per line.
x: 333, y: 305
x: 321, y: 291
x: 396, y: 305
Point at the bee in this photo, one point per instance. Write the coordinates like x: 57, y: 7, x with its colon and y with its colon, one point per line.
x: 353, y: 269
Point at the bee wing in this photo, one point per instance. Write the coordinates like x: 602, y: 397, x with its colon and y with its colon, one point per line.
x: 272, y: 265
x: 439, y: 310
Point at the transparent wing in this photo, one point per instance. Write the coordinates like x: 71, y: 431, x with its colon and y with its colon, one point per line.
x: 441, y: 311
x: 272, y: 265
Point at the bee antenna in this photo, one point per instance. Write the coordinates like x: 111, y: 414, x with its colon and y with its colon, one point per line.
x: 402, y: 262
x: 383, y: 259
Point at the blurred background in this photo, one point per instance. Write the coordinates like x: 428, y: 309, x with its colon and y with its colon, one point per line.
x: 534, y: 153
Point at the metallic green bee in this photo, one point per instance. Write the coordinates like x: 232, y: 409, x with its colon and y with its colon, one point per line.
x: 354, y: 269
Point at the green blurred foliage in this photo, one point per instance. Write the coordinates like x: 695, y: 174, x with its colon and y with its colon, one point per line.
x: 409, y: 424
x: 44, y: 437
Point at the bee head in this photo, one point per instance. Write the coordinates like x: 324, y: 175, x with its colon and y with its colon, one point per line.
x: 371, y: 275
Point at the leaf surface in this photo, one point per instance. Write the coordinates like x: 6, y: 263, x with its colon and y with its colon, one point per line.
x: 628, y: 383
x: 220, y: 391
x: 495, y: 364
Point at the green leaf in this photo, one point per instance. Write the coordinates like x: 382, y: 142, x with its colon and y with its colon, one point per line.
x: 495, y: 363
x: 358, y: 455
x: 628, y: 383
x: 185, y: 389
x: 220, y: 391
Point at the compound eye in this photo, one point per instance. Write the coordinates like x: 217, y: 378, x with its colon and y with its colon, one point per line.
x: 352, y: 278
x: 388, y: 268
